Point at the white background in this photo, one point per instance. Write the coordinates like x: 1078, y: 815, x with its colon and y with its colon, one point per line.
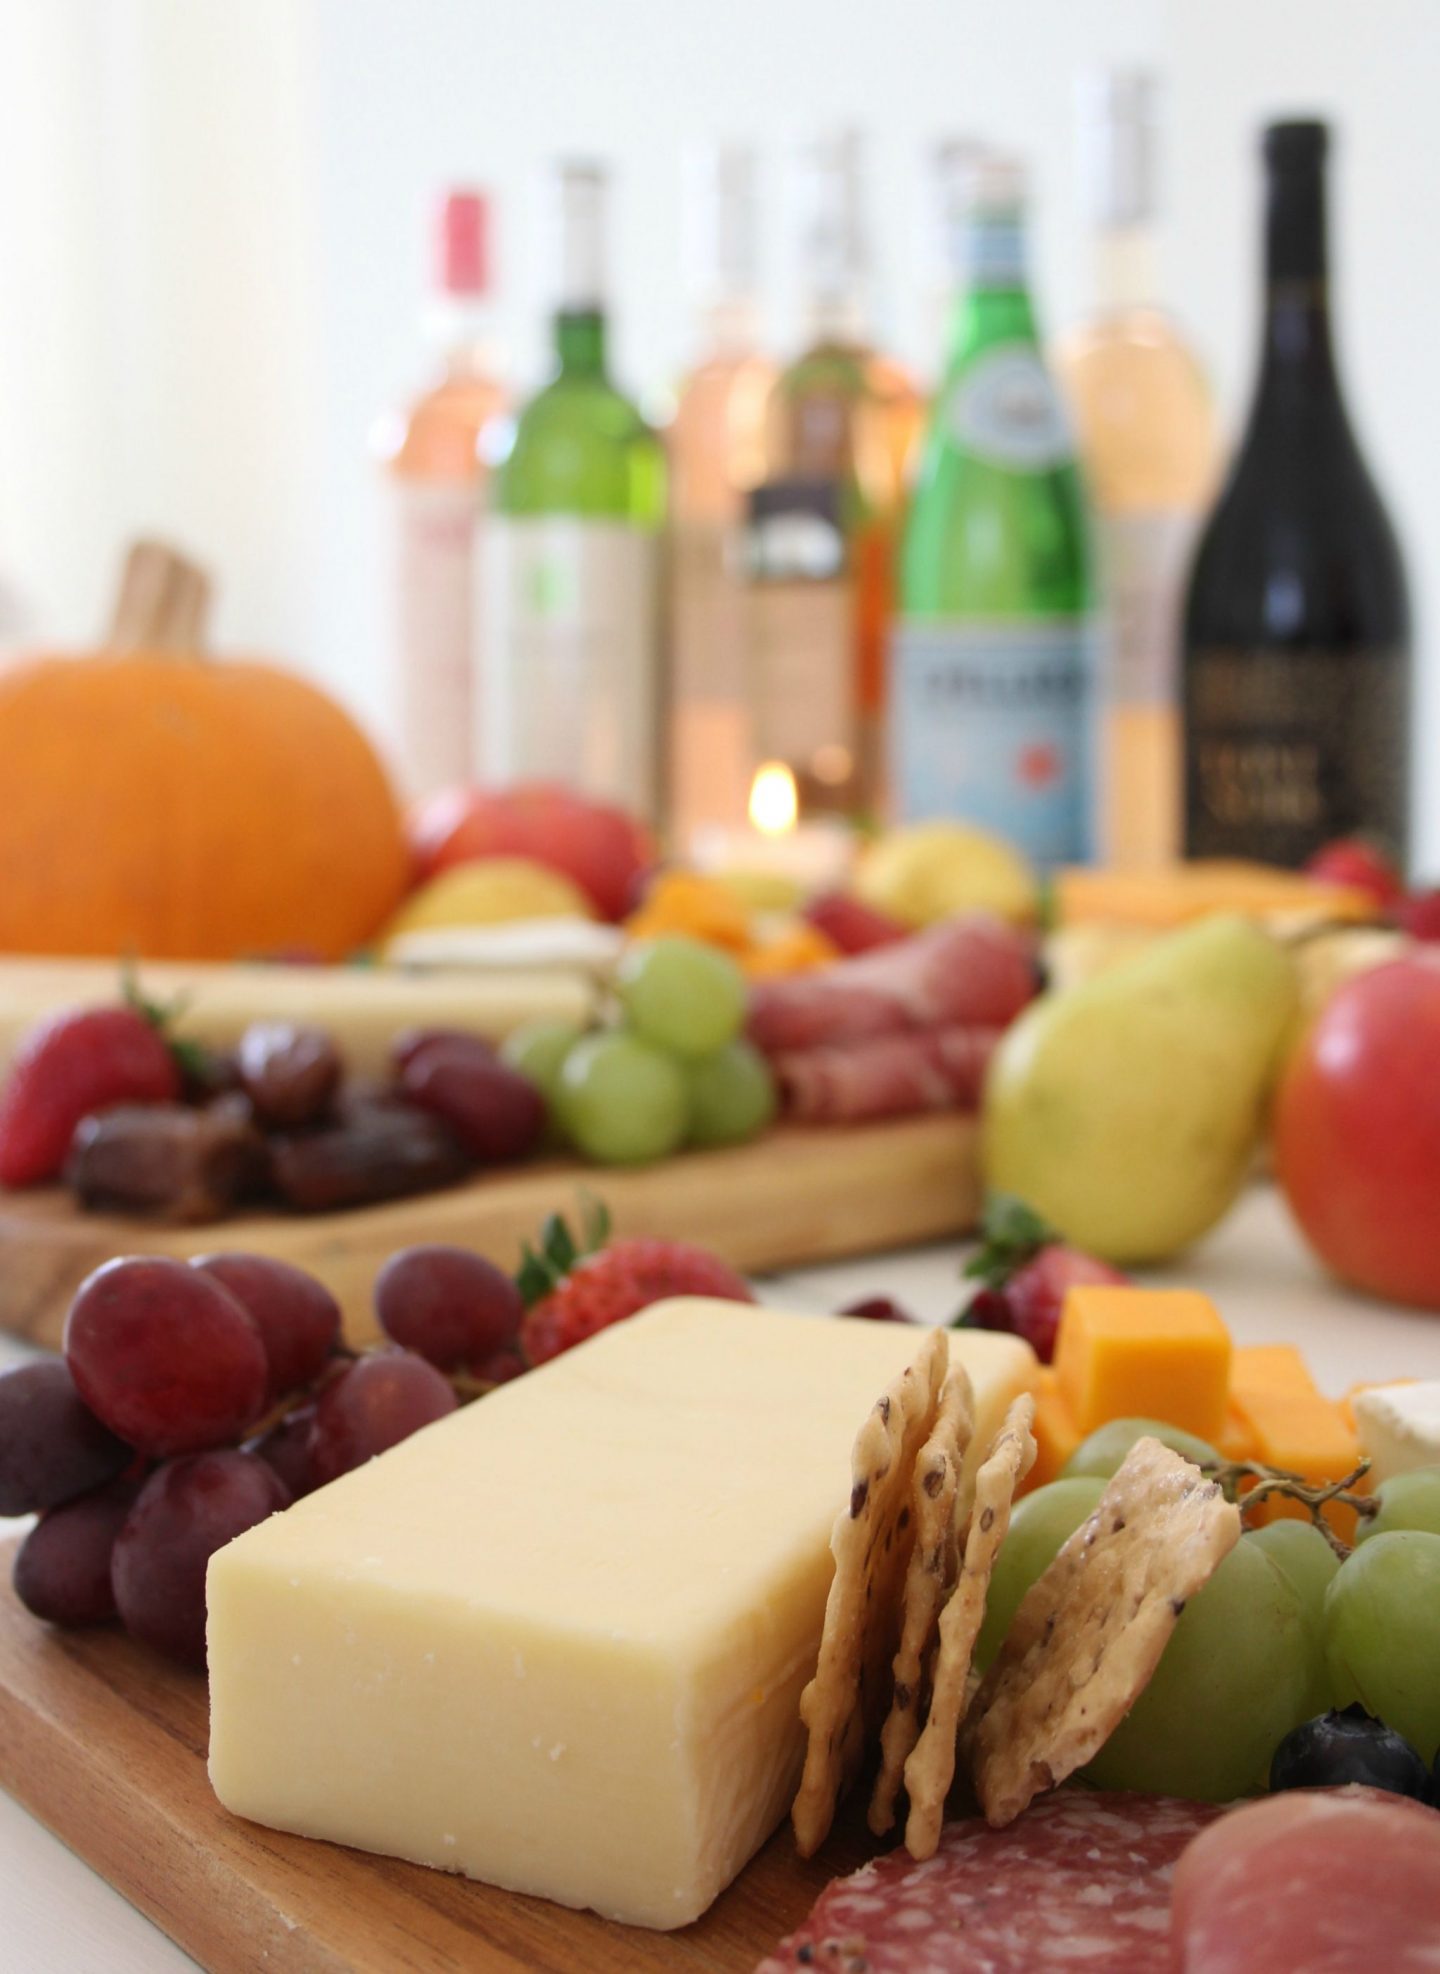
x: 213, y: 237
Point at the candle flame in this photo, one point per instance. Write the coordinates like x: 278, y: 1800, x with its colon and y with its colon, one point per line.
x: 774, y: 802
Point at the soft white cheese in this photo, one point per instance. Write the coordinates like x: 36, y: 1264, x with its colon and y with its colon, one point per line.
x: 1398, y: 1427
x: 557, y: 1640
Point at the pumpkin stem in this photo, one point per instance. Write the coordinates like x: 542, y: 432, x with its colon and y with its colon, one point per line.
x: 163, y: 602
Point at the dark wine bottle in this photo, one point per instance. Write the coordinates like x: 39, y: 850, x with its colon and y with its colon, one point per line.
x: 1297, y: 625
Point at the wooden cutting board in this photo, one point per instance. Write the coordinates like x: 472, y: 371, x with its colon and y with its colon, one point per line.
x: 795, y: 1196
x: 106, y: 1744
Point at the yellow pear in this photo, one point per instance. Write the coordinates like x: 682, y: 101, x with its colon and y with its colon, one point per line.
x: 1127, y: 1110
x: 927, y: 871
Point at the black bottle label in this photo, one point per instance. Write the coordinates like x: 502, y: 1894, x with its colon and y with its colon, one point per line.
x: 1285, y: 750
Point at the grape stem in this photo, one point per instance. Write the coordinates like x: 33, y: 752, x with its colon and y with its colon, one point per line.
x: 1312, y: 1496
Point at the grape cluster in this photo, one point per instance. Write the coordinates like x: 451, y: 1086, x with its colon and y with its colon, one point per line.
x: 675, y: 1071
x: 194, y: 1399
x: 1283, y: 1632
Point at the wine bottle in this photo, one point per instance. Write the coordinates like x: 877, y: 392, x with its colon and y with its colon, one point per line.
x: 841, y: 427
x: 993, y: 652
x: 716, y: 449
x: 569, y: 601
x: 1148, y: 447
x: 433, y: 484
x: 1297, y: 626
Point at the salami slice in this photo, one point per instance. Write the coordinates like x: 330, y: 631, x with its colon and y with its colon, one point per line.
x: 967, y: 972
x: 888, y: 1076
x: 1082, y: 1881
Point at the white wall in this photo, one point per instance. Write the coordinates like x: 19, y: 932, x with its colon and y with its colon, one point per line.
x: 213, y: 230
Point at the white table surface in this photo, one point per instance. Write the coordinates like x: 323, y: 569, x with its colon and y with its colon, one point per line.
x: 58, y: 1917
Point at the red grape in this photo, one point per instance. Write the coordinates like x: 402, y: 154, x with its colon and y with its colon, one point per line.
x: 449, y: 1304
x: 165, y: 1356
x: 409, y: 1043
x: 287, y: 1448
x: 379, y: 1401
x: 51, y: 1445
x: 289, y: 1073
x: 500, y: 1367
x: 877, y: 1309
x: 497, y: 1114
x: 297, y: 1317
x: 62, y: 1568
x: 187, y: 1510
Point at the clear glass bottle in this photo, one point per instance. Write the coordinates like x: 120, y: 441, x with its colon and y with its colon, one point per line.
x: 841, y: 427
x: 433, y: 480
x: 569, y: 596
x: 994, y: 646
x: 1297, y: 667
x: 1148, y: 443
x: 716, y: 452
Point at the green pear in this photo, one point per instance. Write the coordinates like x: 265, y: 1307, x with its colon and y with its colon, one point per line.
x: 1127, y: 1110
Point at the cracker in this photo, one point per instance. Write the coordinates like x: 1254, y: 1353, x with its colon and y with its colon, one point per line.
x: 871, y: 1543
x: 927, y: 1578
x: 1090, y: 1631
x: 930, y: 1769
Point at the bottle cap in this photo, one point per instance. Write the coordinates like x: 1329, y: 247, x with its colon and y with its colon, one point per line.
x: 462, y: 244
x: 1117, y: 144
x: 1300, y: 144
x: 721, y: 222
x: 833, y: 246
x: 992, y: 182
x: 578, y: 236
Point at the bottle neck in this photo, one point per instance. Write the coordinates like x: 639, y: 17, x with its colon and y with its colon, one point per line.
x: 460, y: 333
x: 580, y: 342
x: 1298, y: 362
x: 730, y: 326
x: 993, y: 302
x: 1125, y: 271
x: 833, y: 316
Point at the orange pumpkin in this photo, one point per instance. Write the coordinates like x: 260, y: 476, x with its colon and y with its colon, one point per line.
x: 155, y: 803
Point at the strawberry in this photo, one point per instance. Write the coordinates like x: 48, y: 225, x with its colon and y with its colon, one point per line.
x: 1026, y: 1270
x: 71, y: 1064
x: 572, y: 1292
x: 1358, y: 865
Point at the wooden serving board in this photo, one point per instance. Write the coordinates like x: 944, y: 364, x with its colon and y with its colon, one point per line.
x: 105, y: 1743
x: 797, y: 1195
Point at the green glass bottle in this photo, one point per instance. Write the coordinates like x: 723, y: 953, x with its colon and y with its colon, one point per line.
x: 568, y: 655
x: 991, y: 702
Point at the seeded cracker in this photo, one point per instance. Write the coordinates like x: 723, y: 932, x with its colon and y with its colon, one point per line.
x: 931, y: 1768
x: 927, y: 1578
x: 1090, y: 1631
x: 871, y: 1543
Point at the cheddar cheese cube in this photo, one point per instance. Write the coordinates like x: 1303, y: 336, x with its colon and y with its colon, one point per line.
x: 1294, y: 1426
x: 1056, y: 1433
x: 557, y: 1640
x: 1151, y: 1353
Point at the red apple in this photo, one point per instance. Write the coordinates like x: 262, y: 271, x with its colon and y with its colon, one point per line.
x: 598, y: 846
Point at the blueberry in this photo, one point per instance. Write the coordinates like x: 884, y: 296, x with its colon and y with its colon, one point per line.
x: 1337, y: 1748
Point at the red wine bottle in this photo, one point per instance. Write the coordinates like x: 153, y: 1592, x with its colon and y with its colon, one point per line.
x: 1297, y: 624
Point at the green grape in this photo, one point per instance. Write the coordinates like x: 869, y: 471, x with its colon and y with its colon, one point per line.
x: 732, y: 1095
x: 1230, y: 1685
x: 1382, y: 1633
x: 622, y: 1102
x: 538, y: 1050
x: 1302, y: 1555
x: 682, y: 995
x: 1406, y: 1501
x: 1103, y: 1451
x: 1039, y: 1525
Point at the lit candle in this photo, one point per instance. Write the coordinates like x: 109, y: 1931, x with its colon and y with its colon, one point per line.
x: 811, y: 856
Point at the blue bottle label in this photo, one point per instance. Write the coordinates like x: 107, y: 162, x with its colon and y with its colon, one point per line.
x: 990, y: 723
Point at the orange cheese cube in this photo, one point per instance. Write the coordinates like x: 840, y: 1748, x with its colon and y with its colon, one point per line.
x: 1152, y: 1353
x: 1270, y: 1367
x: 1296, y: 1427
x: 1236, y: 1441
x: 1056, y: 1433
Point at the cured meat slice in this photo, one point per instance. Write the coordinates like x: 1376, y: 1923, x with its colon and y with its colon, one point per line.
x: 887, y: 1076
x: 968, y: 972
x: 1328, y: 1880
x: 1083, y: 1880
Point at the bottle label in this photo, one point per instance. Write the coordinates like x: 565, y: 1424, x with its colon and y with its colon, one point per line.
x: 1285, y: 750
x: 1143, y: 559
x: 991, y: 724
x: 800, y: 637
x: 429, y: 577
x: 711, y: 758
x: 1005, y: 411
x: 569, y: 675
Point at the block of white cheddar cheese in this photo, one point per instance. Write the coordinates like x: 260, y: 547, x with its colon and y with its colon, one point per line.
x: 557, y: 1640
